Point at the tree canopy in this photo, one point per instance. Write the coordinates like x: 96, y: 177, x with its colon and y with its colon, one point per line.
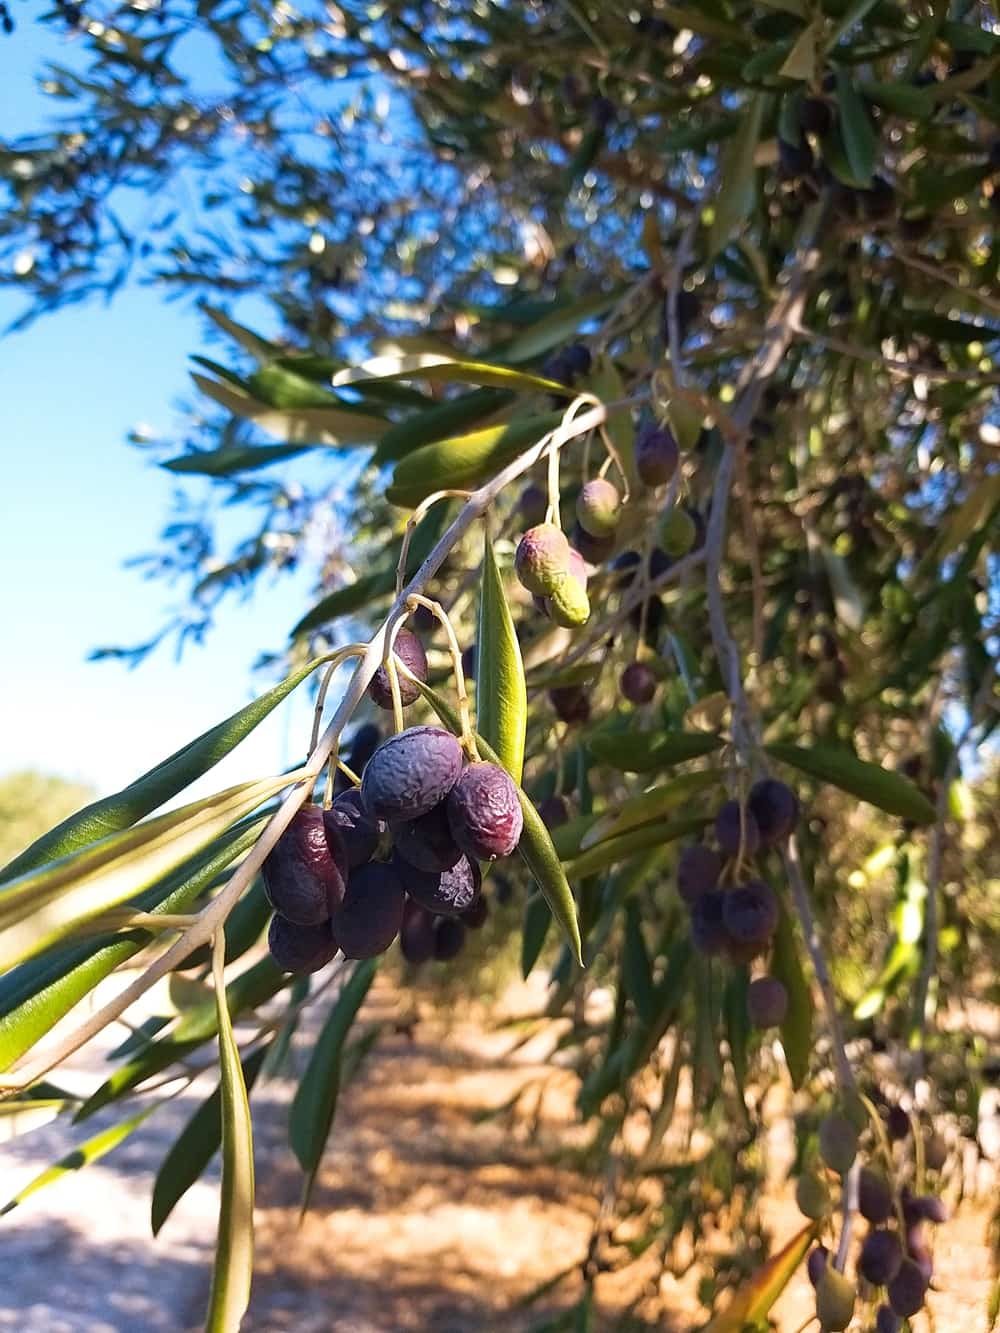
x: 461, y: 263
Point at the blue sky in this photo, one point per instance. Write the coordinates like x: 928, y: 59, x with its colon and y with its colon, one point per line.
x: 77, y: 501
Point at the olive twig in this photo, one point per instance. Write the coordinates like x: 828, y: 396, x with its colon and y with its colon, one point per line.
x: 436, y: 609
x: 411, y: 526
x: 337, y: 660
x: 934, y: 858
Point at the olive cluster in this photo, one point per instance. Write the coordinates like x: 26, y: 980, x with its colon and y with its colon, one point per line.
x: 411, y: 837
x: 734, y: 912
x: 894, y: 1259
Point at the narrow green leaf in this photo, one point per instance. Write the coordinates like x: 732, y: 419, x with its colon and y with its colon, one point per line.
x: 251, y: 342
x: 643, y: 751
x: 736, y: 195
x: 902, y: 99
x: 851, y: 16
x: 195, y: 1146
x: 446, y: 370
x: 233, y: 458
x: 439, y: 422
x: 612, y: 851
x: 501, y: 694
x: 277, y: 386
x: 751, y: 1302
x: 537, y: 919
x: 975, y: 510
x: 316, y: 1097
x: 337, y: 425
x: 800, y: 63
x: 881, y: 787
x: 41, y: 1006
x: 111, y: 814
x: 44, y: 906
x: 535, y: 847
x: 649, y: 807
x: 796, y: 1031
x: 638, y: 972
x: 233, y: 1271
x: 90, y: 1151
x: 462, y: 462
x: 860, y: 142
x: 555, y: 328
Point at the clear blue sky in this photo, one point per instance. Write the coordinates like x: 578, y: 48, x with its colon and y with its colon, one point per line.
x: 77, y: 501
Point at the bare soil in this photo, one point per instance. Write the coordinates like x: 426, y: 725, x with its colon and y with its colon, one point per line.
x: 430, y: 1212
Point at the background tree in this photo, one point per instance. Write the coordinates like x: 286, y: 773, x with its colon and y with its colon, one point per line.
x: 736, y: 261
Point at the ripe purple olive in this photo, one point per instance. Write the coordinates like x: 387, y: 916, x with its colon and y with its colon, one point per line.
x: 484, y: 812
x: 638, y: 683
x: 359, y: 832
x: 656, y: 456
x: 881, y: 1257
x: 370, y: 917
x: 416, y: 936
x: 553, y: 812
x: 449, y: 937
x: 427, y: 842
x: 448, y: 893
x: 767, y: 1002
x: 410, y: 652
x: 304, y: 875
x: 736, y: 830
x: 775, y: 810
x: 698, y: 870
x: 411, y: 773
x: 300, y: 949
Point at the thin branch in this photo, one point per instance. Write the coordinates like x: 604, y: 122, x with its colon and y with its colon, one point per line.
x: 939, y: 274
x: 934, y: 859
x: 814, y: 945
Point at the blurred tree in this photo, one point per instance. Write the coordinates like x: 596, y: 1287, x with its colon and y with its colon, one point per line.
x: 32, y: 803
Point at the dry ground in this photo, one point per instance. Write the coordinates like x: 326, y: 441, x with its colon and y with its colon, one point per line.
x: 429, y: 1214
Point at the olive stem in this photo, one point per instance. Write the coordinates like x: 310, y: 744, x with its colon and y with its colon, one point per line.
x: 301, y: 783
x: 339, y: 658
x: 934, y: 859
x: 468, y: 735
x: 411, y: 526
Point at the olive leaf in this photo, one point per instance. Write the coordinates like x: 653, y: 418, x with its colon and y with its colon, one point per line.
x: 315, y: 1099
x: 34, y: 997
x: 750, y: 1303
x: 537, y: 920
x: 650, y: 806
x: 636, y: 751
x: 735, y: 199
x: 870, y: 782
x: 233, y: 1271
x: 42, y: 907
x: 501, y: 694
x: 463, y: 461
x: 797, y: 1029
x: 91, y: 1151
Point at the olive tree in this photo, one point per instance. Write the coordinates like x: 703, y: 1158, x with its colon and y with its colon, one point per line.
x: 651, y: 353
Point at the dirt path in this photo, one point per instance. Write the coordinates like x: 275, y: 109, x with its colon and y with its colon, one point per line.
x: 429, y: 1213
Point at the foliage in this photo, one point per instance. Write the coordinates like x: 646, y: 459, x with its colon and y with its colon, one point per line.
x: 765, y: 228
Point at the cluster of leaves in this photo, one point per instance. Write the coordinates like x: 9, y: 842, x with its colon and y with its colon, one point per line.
x: 642, y: 180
